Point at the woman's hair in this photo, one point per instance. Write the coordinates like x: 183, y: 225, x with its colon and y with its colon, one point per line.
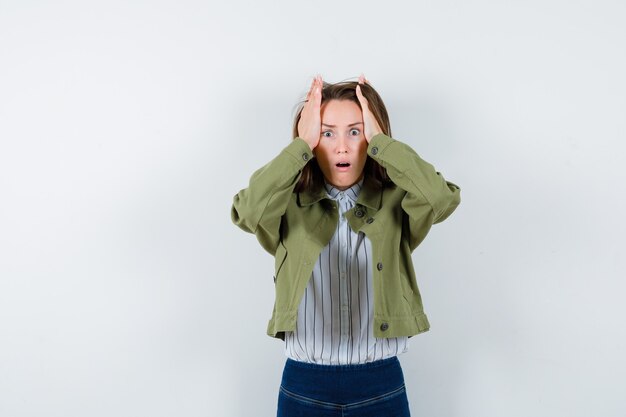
x: 312, y: 177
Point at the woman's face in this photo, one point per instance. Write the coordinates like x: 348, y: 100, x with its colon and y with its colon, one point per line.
x: 342, y: 142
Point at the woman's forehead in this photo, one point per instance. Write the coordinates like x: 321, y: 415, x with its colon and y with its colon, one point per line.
x: 341, y: 113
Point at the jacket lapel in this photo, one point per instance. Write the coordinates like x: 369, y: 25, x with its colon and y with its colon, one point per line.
x: 371, y: 195
x: 308, y: 197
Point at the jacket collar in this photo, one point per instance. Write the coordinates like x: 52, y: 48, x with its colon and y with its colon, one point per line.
x: 351, y: 193
x: 369, y: 196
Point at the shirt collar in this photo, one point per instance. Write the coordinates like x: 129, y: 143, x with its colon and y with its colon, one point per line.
x: 352, y: 193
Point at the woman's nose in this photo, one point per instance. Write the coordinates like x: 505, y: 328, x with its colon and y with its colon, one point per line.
x: 342, y: 144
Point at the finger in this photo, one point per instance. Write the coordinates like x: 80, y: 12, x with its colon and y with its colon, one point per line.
x: 313, y: 100
x: 361, y: 79
x: 318, y: 91
x: 360, y: 96
x: 308, y: 93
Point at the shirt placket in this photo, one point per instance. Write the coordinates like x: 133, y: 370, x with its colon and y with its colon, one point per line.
x: 344, y: 259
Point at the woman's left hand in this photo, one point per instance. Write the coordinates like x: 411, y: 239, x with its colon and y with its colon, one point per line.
x: 371, y: 127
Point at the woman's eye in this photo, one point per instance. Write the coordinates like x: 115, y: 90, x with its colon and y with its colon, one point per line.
x: 355, y: 132
x: 327, y: 134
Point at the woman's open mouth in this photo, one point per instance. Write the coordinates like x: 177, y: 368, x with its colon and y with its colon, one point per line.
x: 343, y: 166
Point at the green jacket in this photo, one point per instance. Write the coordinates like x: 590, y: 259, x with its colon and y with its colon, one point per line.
x: 295, y: 227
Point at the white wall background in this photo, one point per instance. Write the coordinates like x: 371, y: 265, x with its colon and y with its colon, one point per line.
x: 126, y: 127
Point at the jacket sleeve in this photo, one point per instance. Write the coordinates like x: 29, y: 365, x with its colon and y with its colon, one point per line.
x: 259, y: 208
x: 429, y: 198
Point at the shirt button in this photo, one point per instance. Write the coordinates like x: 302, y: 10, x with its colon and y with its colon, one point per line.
x: 369, y: 220
x: 379, y: 266
x: 305, y: 156
x: 359, y: 213
x: 384, y: 326
x: 374, y: 150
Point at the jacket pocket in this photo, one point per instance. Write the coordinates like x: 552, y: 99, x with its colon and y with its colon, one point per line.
x: 279, y: 259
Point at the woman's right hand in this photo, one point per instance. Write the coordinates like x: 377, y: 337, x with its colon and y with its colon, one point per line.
x: 310, y: 123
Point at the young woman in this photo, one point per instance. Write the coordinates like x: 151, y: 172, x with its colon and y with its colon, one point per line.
x: 341, y: 209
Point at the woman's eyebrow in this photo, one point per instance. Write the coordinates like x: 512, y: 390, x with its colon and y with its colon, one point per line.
x: 350, y: 125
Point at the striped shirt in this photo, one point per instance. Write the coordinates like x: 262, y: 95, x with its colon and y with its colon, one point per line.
x: 334, y: 324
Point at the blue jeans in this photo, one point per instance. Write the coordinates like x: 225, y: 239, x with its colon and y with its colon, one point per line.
x: 374, y: 389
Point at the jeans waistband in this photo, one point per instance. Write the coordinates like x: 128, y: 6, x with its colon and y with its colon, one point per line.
x: 342, y: 383
x: 341, y: 368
